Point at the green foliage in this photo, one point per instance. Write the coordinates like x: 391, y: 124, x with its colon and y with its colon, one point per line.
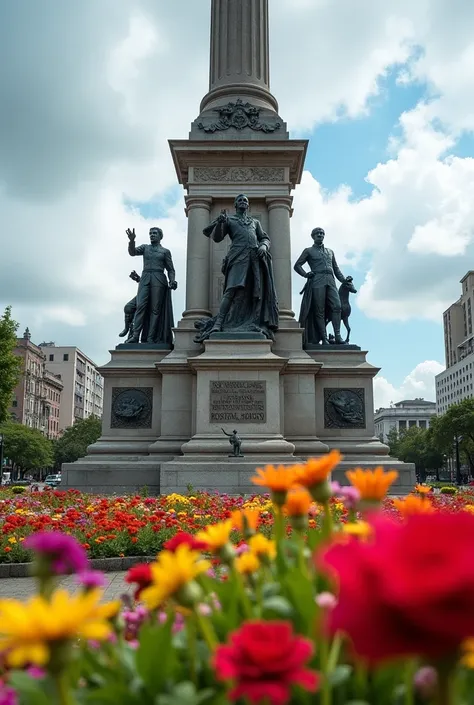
x: 26, y: 447
x: 10, y: 364
x: 75, y: 439
x: 18, y: 489
x: 448, y: 490
x: 457, y: 422
x: 416, y: 445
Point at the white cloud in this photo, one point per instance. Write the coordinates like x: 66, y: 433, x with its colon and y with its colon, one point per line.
x: 420, y: 383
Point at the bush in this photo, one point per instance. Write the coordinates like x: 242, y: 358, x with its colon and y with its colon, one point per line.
x: 18, y: 489
x: 448, y: 490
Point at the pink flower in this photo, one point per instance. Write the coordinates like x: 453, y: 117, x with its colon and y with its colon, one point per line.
x: 63, y: 553
x: 36, y: 672
x: 349, y: 495
x: 426, y: 681
x: 91, y: 579
x: 326, y: 600
x: 8, y: 696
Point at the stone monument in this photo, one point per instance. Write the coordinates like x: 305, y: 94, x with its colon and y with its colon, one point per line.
x: 238, y: 358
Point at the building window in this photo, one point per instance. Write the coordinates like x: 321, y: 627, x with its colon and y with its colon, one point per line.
x: 51, y: 358
x: 422, y: 423
x: 402, y: 425
x: 15, y: 403
x: 66, y: 357
x: 411, y: 424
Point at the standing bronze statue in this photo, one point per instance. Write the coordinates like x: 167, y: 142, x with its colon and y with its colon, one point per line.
x: 321, y: 301
x: 236, y: 443
x: 153, y: 319
x: 249, y: 303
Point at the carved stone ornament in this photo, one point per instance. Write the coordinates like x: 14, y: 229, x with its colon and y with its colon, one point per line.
x: 238, y: 175
x: 344, y: 408
x: 131, y: 407
x: 239, y: 115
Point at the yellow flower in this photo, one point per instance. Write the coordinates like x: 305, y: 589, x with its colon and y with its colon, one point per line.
x: 262, y: 547
x: 298, y: 502
x: 372, y: 484
x: 29, y: 631
x: 317, y: 470
x: 245, y: 519
x: 468, y: 657
x: 412, y: 504
x: 171, y: 573
x: 423, y: 489
x: 247, y: 563
x: 216, y: 536
x: 277, y: 479
x: 469, y: 508
x: 361, y: 529
x: 12, y: 539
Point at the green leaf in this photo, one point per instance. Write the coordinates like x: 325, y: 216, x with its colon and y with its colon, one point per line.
x: 300, y: 592
x: 185, y: 694
x: 31, y: 691
x: 270, y: 589
x: 114, y: 694
x: 279, y: 606
x: 156, y: 660
x: 340, y: 674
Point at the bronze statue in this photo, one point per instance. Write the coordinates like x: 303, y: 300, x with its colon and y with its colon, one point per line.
x: 129, y: 310
x: 236, y: 443
x: 347, y: 287
x: 321, y: 301
x: 249, y: 303
x: 153, y: 319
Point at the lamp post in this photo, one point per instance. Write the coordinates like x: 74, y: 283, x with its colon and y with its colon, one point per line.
x: 1, y: 458
x: 457, y: 440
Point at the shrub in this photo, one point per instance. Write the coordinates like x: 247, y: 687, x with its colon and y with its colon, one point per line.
x: 18, y: 489
x: 448, y: 490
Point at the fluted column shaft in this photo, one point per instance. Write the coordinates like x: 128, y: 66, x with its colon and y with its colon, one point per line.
x: 239, y: 61
x: 197, y: 258
x: 279, y: 213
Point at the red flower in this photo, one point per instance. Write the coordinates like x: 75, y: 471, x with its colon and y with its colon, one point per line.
x: 188, y: 539
x: 141, y: 575
x: 409, y: 590
x: 263, y: 660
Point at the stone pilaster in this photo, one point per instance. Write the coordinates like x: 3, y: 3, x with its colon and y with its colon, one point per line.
x: 239, y: 60
x: 279, y: 213
x: 197, y: 258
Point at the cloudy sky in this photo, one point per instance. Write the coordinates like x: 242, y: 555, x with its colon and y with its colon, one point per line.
x: 92, y: 90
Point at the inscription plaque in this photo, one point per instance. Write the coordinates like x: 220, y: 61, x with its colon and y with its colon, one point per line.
x: 238, y: 402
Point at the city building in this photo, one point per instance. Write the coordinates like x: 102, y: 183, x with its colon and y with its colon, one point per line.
x: 83, y: 391
x: 37, y: 397
x: 455, y: 383
x: 403, y: 415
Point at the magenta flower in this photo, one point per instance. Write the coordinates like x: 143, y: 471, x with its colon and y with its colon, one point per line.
x: 8, y: 696
x: 36, y: 672
x: 90, y: 579
x: 63, y: 552
x: 349, y: 495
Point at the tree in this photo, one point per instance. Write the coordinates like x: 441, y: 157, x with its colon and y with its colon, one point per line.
x: 26, y: 448
x: 456, y: 423
x: 10, y: 364
x: 75, y: 439
x: 393, y: 442
x: 415, y: 445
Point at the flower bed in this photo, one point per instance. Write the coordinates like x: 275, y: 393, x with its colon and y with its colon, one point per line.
x: 138, y: 526
x: 333, y: 607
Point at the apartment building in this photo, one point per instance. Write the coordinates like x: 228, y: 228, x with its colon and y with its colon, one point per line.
x: 37, y: 397
x: 456, y: 382
x: 83, y: 392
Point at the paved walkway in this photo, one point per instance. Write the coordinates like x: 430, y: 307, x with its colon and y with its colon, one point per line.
x: 23, y: 588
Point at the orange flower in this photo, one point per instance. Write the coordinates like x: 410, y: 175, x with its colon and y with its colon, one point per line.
x: 277, y: 479
x: 423, y: 489
x: 298, y: 502
x: 372, y: 484
x: 246, y: 519
x: 317, y: 470
x: 413, y: 505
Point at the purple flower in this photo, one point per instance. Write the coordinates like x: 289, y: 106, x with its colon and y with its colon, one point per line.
x: 90, y: 579
x: 426, y: 681
x: 7, y: 696
x: 65, y: 554
x: 349, y: 495
x: 36, y: 672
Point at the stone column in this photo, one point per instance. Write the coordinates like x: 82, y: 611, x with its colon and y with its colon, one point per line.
x: 279, y: 213
x: 239, y: 52
x: 197, y: 258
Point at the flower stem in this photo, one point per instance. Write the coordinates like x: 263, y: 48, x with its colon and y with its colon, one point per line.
x: 64, y: 693
x: 191, y: 627
x: 206, y: 630
x: 410, y: 668
x: 445, y: 688
x: 327, y: 521
x: 326, y: 690
x: 244, y: 599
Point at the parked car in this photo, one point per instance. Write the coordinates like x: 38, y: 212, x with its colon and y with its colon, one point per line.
x: 53, y: 480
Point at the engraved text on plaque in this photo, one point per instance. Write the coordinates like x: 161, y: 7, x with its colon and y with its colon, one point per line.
x: 238, y: 402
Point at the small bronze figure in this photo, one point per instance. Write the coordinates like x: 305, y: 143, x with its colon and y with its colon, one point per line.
x: 236, y: 443
x: 129, y: 310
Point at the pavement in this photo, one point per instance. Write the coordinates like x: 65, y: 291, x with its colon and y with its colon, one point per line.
x: 23, y: 588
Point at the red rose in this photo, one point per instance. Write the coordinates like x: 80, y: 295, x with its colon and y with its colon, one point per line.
x: 141, y: 575
x: 264, y: 659
x: 188, y: 539
x: 409, y: 590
